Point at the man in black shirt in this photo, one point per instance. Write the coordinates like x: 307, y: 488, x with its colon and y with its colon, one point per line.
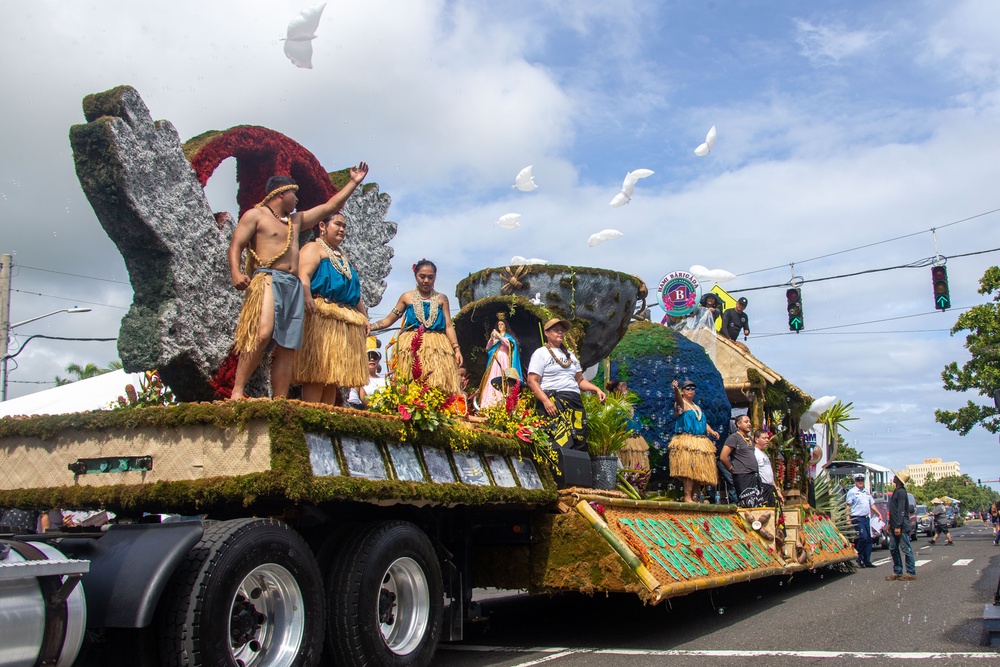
x: 899, y: 531
x: 735, y: 320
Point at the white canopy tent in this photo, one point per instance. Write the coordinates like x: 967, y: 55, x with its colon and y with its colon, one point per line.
x: 96, y: 393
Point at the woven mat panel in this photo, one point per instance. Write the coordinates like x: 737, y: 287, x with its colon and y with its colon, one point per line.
x: 699, y: 560
x: 182, y: 453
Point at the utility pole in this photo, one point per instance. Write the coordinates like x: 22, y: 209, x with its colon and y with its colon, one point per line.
x: 5, y: 261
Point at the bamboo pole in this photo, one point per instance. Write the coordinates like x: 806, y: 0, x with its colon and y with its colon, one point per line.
x: 595, y: 520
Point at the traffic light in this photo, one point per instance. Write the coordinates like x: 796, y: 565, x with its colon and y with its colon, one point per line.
x: 942, y: 297
x: 794, y: 297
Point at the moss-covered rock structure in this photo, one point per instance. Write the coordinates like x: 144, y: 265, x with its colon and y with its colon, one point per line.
x: 147, y: 191
x: 599, y: 303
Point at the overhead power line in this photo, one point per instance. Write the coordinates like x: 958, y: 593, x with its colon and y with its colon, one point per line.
x: 75, y: 275
x: 65, y: 298
x: 920, y: 263
x: 870, y: 245
x: 858, y: 324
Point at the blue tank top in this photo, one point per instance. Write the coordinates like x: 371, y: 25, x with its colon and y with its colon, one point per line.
x: 330, y: 284
x: 410, y: 319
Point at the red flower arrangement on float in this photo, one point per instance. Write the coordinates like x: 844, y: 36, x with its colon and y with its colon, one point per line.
x: 419, y: 406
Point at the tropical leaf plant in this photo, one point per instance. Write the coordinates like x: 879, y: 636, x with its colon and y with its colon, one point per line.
x: 607, y: 423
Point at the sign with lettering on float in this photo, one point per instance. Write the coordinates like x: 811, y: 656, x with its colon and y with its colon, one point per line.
x: 678, y: 293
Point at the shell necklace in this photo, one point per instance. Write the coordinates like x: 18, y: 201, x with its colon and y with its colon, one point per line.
x: 564, y: 364
x: 337, y: 257
x: 418, y: 310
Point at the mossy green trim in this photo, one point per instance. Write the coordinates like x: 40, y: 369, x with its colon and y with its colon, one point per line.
x: 290, y: 479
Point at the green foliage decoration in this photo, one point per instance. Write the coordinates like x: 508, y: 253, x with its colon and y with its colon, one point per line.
x: 608, y: 422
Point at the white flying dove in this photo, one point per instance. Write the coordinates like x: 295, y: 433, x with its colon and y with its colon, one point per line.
x: 301, y: 32
x: 706, y: 148
x: 509, y: 221
x: 631, y: 178
x: 602, y: 236
x: 524, y: 182
x: 715, y: 275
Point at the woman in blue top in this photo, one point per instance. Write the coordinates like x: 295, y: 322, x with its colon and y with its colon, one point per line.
x: 425, y: 314
x: 336, y: 321
x: 692, y: 454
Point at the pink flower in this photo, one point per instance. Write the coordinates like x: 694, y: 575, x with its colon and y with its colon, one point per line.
x: 707, y: 527
x: 698, y: 552
x: 404, y: 413
x: 598, y: 507
x: 524, y: 434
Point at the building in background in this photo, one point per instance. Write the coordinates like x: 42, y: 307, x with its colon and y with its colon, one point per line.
x: 937, y: 467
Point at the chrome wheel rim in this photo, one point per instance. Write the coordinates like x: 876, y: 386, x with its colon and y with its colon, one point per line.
x: 403, y: 611
x: 266, y: 618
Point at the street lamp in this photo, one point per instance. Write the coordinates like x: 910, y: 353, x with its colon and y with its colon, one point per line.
x: 5, y: 332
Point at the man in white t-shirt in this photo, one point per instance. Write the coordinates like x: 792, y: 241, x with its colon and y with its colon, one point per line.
x: 769, y: 489
x: 556, y: 379
x: 359, y: 396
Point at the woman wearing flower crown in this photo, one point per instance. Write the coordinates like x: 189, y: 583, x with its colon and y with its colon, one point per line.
x: 336, y: 321
x: 427, y: 335
x: 503, y: 361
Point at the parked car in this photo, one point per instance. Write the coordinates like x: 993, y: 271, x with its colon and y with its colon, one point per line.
x: 954, y: 517
x: 881, y: 541
x: 925, y: 522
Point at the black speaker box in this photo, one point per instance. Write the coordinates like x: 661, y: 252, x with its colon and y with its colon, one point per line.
x: 574, y: 468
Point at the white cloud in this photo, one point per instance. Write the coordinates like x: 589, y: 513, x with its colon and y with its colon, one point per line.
x: 828, y: 44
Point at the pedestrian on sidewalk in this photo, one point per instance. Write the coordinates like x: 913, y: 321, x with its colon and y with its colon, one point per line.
x: 860, y: 504
x: 940, y: 521
x: 899, y: 531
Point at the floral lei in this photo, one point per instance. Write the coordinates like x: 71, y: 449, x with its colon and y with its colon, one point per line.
x: 338, y: 258
x: 418, y: 311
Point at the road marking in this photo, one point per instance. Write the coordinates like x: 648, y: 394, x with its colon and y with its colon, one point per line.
x: 560, y: 652
x: 882, y: 561
x: 927, y: 547
x: 961, y: 562
x: 922, y: 562
x: 553, y: 656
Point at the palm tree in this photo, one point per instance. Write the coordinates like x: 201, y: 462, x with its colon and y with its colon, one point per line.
x: 85, y: 372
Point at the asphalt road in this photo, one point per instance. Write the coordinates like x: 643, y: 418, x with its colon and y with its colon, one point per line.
x: 823, y: 618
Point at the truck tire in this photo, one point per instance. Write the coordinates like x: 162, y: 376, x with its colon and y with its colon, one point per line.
x: 385, y: 598
x: 249, y: 594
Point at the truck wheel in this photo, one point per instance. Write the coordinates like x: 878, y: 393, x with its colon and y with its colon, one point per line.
x: 385, y: 598
x: 249, y: 594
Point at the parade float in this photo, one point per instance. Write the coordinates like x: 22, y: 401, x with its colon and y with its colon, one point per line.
x: 270, y: 533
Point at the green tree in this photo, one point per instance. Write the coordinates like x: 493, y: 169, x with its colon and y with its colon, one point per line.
x: 982, y: 371
x: 85, y: 372
x: 847, y: 453
x: 960, y: 487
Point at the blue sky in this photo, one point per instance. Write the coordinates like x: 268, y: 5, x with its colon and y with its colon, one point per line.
x: 841, y: 124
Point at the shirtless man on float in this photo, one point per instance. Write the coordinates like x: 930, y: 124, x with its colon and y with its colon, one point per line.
x: 273, y: 309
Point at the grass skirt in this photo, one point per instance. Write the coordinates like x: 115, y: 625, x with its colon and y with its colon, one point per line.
x: 693, y: 457
x: 333, y: 347
x: 437, y: 360
x: 248, y: 325
x: 635, y: 454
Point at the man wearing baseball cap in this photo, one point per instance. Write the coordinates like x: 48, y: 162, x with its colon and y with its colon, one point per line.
x: 735, y: 320
x: 899, y: 531
x: 860, y: 504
